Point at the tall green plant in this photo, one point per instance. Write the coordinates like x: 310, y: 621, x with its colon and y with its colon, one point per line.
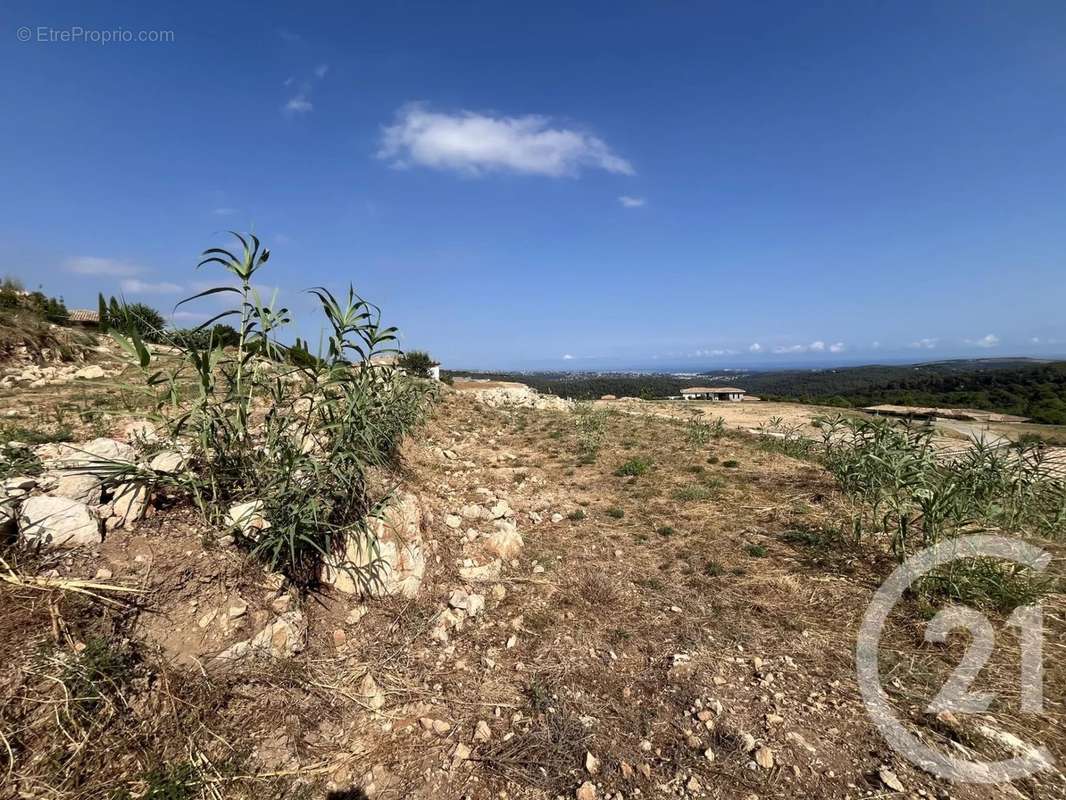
x: 299, y: 435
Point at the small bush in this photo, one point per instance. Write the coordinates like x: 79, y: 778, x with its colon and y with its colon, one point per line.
x: 755, y: 550
x: 694, y: 493
x: 591, y: 423
x: 665, y: 530
x: 417, y: 363
x: 730, y: 464
x: 633, y: 467
x: 712, y: 569
x: 712, y: 459
x: 577, y: 515
x: 615, y: 512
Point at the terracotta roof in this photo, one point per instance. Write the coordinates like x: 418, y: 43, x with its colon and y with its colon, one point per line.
x: 711, y: 390
x: 83, y: 315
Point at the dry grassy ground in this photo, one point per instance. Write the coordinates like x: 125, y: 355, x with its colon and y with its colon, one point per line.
x: 691, y: 628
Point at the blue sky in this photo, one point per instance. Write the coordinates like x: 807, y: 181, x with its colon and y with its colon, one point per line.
x: 577, y: 185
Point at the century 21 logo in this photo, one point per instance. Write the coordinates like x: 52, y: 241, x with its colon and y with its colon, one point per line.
x: 955, y: 694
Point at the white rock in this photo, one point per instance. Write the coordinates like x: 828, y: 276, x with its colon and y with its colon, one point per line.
x: 371, y: 692
x: 482, y: 732
x: 78, y: 486
x: 283, y: 638
x: 506, y: 542
x: 20, y: 484
x: 385, y: 559
x: 130, y: 503
x: 58, y: 522
x: 453, y: 521
x: 92, y: 372
x: 247, y: 517
x: 167, y: 461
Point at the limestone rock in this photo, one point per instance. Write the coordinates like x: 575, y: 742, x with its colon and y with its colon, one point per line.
x: 371, y: 692
x: 58, y: 522
x: 78, y: 486
x: 167, y: 462
x: 92, y: 372
x: 385, y: 559
x: 506, y: 542
x: 247, y: 518
x: 283, y: 638
x: 130, y: 502
x: 586, y: 791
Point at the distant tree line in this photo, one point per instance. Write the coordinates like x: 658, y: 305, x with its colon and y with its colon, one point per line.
x: 1034, y: 390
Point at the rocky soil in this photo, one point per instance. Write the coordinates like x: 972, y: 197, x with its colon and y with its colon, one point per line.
x: 541, y: 626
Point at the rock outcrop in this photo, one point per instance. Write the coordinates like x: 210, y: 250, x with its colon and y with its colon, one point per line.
x: 49, y: 521
x: 385, y: 559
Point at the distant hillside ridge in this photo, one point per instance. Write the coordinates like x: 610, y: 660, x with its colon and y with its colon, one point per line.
x: 1024, y: 387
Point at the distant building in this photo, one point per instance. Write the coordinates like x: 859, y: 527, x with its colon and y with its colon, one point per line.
x: 84, y: 317
x: 727, y: 393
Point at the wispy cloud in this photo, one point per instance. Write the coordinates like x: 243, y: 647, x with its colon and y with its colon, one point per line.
x: 715, y: 352
x: 135, y: 286
x: 298, y: 104
x: 475, y: 144
x: 91, y: 265
x: 756, y: 348
x: 568, y: 357
x: 817, y: 346
x: 989, y: 340
x: 223, y: 212
x: 924, y: 344
x: 632, y: 202
x: 321, y: 70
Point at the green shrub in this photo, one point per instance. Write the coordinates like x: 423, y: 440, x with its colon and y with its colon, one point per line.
x: 665, y: 530
x: 132, y: 318
x: 755, y: 550
x: 731, y: 464
x: 577, y: 515
x: 615, y: 512
x: 591, y: 423
x: 633, y: 467
x: 416, y: 362
x: 299, y: 438
x: 694, y: 493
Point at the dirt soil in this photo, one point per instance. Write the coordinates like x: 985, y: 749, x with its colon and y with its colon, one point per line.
x: 686, y: 632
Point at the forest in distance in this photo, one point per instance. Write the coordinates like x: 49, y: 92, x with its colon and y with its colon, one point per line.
x: 1025, y: 387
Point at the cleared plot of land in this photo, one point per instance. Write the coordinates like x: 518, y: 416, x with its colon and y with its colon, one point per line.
x: 680, y: 621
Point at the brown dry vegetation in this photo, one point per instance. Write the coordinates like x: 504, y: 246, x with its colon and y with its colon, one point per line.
x: 692, y: 584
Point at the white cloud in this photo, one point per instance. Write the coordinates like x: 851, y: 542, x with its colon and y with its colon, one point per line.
x: 990, y: 340
x: 814, y: 347
x: 477, y: 143
x: 876, y: 345
x: 718, y: 352
x: 756, y: 348
x: 90, y: 265
x: 568, y: 357
x: 223, y: 212
x: 924, y: 344
x: 632, y: 202
x: 135, y: 286
x: 298, y: 104
x: 321, y: 70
